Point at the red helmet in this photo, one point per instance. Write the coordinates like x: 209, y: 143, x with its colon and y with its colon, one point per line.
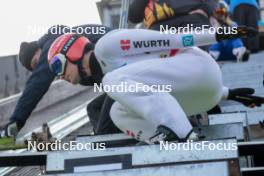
x: 68, y: 47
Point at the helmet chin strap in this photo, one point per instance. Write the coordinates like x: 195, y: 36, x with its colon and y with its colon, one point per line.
x: 97, y: 73
x: 84, y: 79
x: 81, y: 69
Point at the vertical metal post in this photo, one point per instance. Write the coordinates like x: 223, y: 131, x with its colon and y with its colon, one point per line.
x: 124, y: 14
x: 6, y: 90
x: 16, y: 88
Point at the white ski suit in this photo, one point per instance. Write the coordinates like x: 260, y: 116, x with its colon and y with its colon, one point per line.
x: 134, y: 56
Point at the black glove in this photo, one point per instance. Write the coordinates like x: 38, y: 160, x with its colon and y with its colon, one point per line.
x: 246, y: 97
x: 242, y: 32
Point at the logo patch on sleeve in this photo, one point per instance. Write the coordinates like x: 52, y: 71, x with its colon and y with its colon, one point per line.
x: 125, y: 45
x: 187, y: 40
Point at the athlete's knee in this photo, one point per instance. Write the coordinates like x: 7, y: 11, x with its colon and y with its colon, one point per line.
x: 114, y: 78
x: 112, y: 81
x: 107, y: 79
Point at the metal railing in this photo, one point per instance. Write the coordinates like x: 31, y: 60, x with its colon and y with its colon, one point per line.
x: 59, y: 127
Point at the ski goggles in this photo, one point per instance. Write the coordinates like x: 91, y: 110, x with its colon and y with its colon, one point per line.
x: 58, y: 64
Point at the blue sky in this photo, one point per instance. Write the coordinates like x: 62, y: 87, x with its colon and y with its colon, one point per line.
x: 19, y: 19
